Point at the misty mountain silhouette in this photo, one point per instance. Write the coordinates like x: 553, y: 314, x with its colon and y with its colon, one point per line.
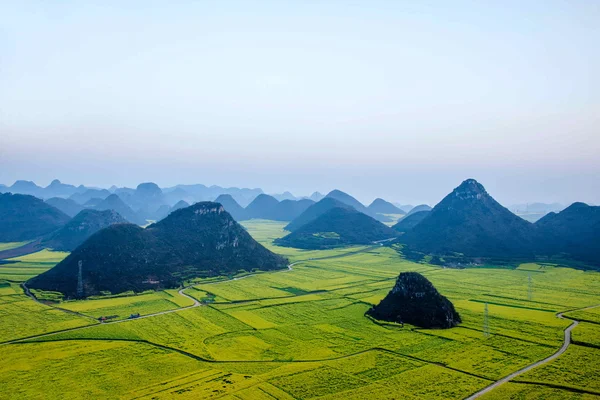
x: 267, y: 207
x: 24, y: 217
x: 85, y: 196
x: 380, y: 206
x: 114, y: 202
x: 419, y: 208
x: 314, y: 211
x: 68, y: 206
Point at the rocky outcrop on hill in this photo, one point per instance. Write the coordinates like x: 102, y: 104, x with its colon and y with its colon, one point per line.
x: 414, y: 300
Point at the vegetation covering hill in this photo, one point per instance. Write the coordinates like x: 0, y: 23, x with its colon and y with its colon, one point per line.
x: 470, y: 222
x: 575, y: 232
x: 419, y: 208
x: 410, y: 221
x: 262, y: 206
x: 380, y: 206
x: 81, y: 227
x: 414, y: 300
x: 349, y: 200
x: 68, y: 206
x: 339, y: 226
x: 315, y: 211
x: 197, y: 241
x: 25, y: 217
x: 114, y: 202
x: 357, y: 205
x: 176, y: 195
x: 232, y: 207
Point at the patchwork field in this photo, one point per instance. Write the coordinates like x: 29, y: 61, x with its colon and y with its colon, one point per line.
x: 302, y: 334
x: 20, y: 269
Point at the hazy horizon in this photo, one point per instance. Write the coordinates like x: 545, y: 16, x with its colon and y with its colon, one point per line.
x: 397, y: 100
x: 365, y: 200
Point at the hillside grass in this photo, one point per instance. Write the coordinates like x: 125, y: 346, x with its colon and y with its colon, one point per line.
x: 302, y: 334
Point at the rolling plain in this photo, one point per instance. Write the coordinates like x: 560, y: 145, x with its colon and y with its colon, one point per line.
x: 302, y: 333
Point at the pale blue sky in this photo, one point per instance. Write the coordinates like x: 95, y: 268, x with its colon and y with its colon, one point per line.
x: 396, y: 99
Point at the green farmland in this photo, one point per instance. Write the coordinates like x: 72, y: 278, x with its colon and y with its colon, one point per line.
x: 302, y: 334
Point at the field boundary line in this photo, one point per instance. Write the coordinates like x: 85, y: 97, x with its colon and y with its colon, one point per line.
x: 212, y: 361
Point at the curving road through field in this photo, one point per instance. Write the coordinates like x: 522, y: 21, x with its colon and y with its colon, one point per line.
x: 196, y: 303
x: 565, y: 346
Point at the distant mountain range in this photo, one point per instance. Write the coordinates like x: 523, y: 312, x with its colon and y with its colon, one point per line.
x: 199, y: 192
x: 468, y: 223
x: 268, y: 207
x: 198, y: 241
x: 87, y: 195
x: 149, y: 202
